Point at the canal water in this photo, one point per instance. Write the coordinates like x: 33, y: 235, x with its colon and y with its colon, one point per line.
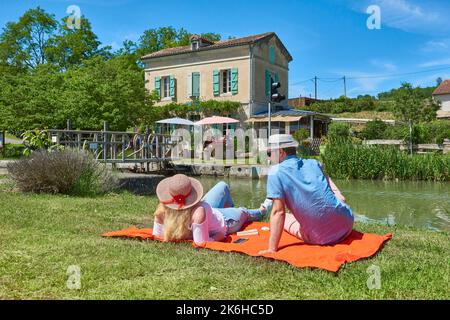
x: 418, y: 204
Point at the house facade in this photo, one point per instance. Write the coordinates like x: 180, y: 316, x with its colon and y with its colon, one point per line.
x: 442, y: 95
x: 231, y: 70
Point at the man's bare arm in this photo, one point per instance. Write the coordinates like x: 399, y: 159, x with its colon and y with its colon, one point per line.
x: 335, y: 189
x: 277, y: 218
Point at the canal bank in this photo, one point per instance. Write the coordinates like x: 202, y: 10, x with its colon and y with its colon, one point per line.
x: 236, y: 171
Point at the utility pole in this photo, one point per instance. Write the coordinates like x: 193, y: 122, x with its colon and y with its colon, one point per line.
x: 345, y: 87
x: 270, y: 118
x: 315, y: 87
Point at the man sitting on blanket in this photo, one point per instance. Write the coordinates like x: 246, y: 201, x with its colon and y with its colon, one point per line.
x: 319, y: 213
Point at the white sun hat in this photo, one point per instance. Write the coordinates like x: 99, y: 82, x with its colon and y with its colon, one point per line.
x: 282, y: 141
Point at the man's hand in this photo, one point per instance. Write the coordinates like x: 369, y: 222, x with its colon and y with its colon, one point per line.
x: 277, y: 218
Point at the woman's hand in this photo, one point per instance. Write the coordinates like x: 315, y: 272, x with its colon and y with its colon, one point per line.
x: 219, y: 236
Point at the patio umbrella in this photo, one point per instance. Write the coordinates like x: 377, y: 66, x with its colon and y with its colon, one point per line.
x: 177, y: 121
x: 216, y: 120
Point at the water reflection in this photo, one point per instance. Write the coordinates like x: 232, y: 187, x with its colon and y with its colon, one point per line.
x: 419, y: 204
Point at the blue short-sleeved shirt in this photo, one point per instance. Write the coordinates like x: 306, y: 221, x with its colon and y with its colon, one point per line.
x: 323, y: 218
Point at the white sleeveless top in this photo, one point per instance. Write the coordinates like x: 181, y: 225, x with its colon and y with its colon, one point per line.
x: 214, y: 219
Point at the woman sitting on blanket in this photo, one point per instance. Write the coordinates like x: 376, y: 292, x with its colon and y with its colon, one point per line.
x: 183, y: 215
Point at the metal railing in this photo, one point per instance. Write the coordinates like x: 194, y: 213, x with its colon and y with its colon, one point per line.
x: 117, y: 147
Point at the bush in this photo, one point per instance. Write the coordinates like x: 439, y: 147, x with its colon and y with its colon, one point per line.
x: 343, y: 104
x: 374, y: 129
x: 432, y: 132
x: 67, y: 171
x: 13, y: 151
x: 427, y: 132
x: 301, y: 134
x: 397, y: 132
x: 338, y: 131
x: 36, y: 140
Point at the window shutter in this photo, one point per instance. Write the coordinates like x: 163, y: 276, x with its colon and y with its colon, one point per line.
x: 189, y: 85
x: 216, y: 82
x: 158, y: 86
x: 234, y: 81
x: 196, y: 84
x: 272, y: 55
x: 268, y: 83
x: 172, y: 87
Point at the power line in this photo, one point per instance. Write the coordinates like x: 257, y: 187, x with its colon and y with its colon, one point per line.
x: 345, y: 78
x: 393, y: 75
x: 330, y: 81
x: 303, y: 81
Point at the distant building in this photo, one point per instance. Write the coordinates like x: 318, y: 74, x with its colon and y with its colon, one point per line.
x: 442, y: 95
x: 302, y: 102
x: 234, y: 70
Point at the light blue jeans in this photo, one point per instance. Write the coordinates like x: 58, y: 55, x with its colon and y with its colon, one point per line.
x: 219, y: 198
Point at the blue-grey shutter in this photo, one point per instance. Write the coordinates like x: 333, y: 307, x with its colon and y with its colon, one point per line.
x: 189, y: 85
x: 272, y: 55
x: 234, y: 81
x: 196, y: 84
x: 216, y: 82
x: 172, y: 91
x: 158, y: 86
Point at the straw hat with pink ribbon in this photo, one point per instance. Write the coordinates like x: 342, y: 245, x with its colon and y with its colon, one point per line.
x: 179, y: 192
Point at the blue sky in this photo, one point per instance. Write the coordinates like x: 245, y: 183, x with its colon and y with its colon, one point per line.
x: 327, y: 38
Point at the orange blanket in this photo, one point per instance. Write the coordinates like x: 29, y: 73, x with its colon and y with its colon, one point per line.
x: 292, y: 250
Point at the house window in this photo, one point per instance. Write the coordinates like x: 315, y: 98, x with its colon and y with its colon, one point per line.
x: 226, y: 81
x: 165, y: 87
x: 195, y: 45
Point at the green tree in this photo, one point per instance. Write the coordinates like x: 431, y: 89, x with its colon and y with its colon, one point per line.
x: 411, y: 107
x: 167, y: 37
x: 111, y: 90
x: 31, y: 100
x: 338, y: 132
x: 70, y: 47
x: 98, y: 90
x: 374, y: 129
x: 24, y: 44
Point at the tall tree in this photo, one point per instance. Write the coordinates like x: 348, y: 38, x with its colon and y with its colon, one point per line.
x: 24, y: 43
x: 410, y: 106
x: 71, y: 45
x: 111, y: 90
x: 167, y: 37
x: 32, y: 99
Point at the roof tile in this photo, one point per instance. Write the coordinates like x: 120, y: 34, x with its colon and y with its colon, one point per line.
x: 444, y: 88
x: 215, y: 45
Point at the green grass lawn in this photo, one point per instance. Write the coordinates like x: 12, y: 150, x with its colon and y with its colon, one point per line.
x: 42, y: 235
